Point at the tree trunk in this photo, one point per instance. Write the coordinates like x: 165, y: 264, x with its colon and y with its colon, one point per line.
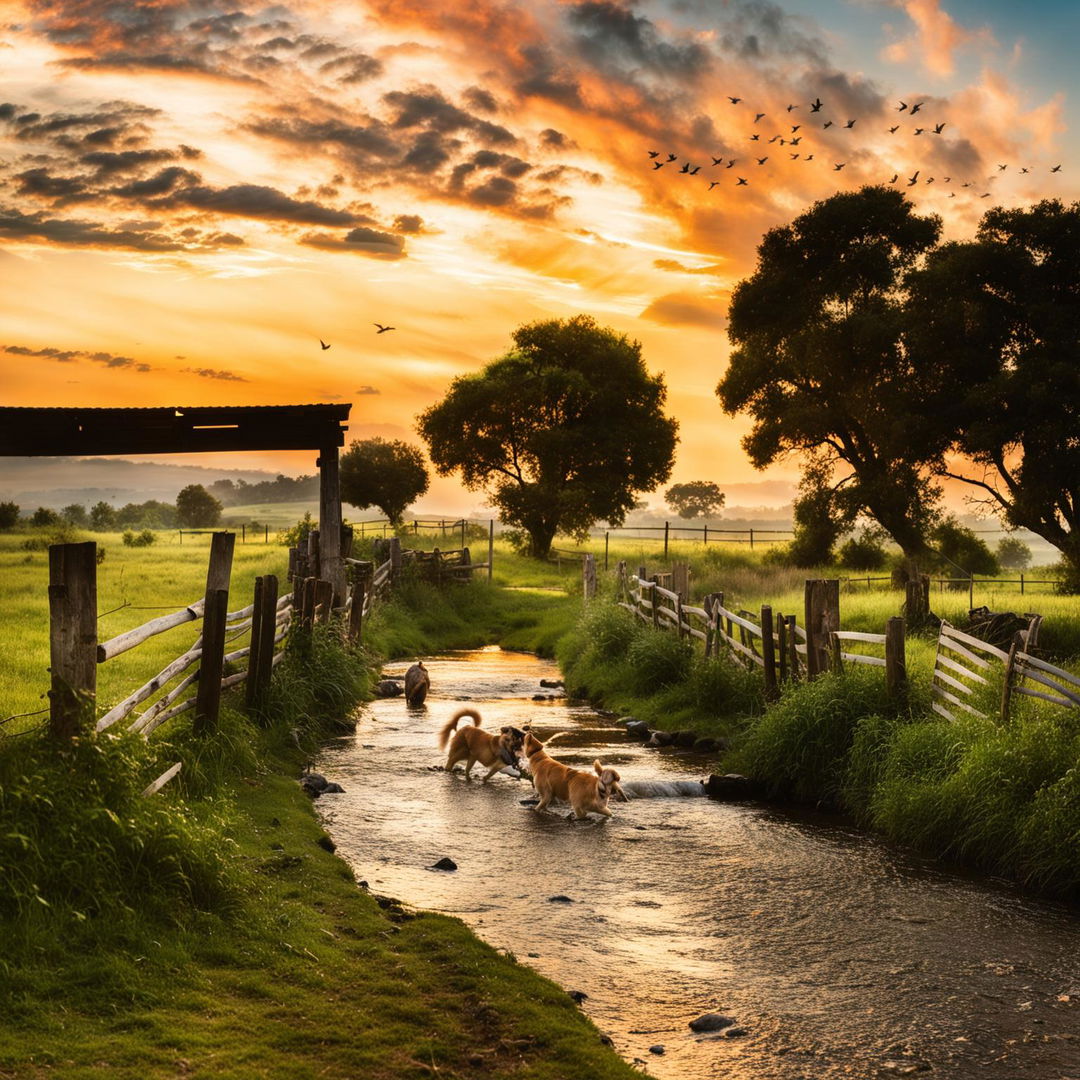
x: 541, y: 535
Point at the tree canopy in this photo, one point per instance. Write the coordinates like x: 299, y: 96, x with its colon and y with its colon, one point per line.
x: 195, y: 507
x: 562, y: 431
x: 997, y: 319
x: 819, y: 362
x: 383, y: 473
x: 696, y: 498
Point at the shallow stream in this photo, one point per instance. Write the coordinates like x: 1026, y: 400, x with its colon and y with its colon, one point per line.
x: 839, y: 955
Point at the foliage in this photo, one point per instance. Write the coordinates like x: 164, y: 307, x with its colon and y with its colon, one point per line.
x: 298, y: 533
x: 282, y: 488
x: 102, y: 517
x: 142, y: 539
x: 960, y: 547
x: 43, y: 517
x: 997, y: 320
x: 75, y: 514
x: 819, y: 520
x: 561, y: 431
x: 818, y: 361
x: 389, y: 474
x: 863, y: 552
x: 697, y: 498
x: 149, y: 514
x: 9, y: 515
x: 197, y: 508
x: 1013, y: 554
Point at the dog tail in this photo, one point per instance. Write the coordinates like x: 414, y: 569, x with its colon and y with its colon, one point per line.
x: 452, y: 723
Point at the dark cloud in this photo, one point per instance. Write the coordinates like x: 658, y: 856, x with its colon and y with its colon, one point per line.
x: 109, y: 162
x: 354, y: 68
x: 213, y: 373
x: 760, y: 30
x: 611, y: 37
x: 556, y: 139
x: 544, y: 77
x: 362, y: 390
x: 409, y: 223
x: 362, y: 241
x: 429, y: 109
x: 161, y: 183
x: 256, y: 201
x: 478, y: 98
x: 495, y: 191
x: 68, y: 356
x: 140, y: 236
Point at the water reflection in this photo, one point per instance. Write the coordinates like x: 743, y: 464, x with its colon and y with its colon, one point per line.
x: 837, y: 954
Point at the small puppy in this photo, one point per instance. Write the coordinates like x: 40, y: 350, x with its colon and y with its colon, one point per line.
x: 473, y: 745
x: 584, y: 791
x: 417, y: 684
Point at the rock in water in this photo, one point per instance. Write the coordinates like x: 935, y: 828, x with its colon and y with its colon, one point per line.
x: 444, y: 864
x: 657, y: 1049
x: 417, y: 684
x: 711, y: 1022
x: 731, y: 786
x: 388, y: 688
x: 637, y: 729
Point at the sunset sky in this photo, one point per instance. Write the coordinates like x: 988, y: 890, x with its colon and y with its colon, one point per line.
x: 192, y: 194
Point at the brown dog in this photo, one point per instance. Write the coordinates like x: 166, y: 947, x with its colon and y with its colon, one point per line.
x: 472, y: 745
x: 584, y: 791
x: 417, y: 684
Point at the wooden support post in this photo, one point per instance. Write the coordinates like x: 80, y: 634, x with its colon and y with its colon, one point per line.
x: 395, y: 559
x: 72, y: 637
x: 768, y: 651
x: 751, y: 539
x: 588, y: 576
x: 836, y: 662
x: 679, y: 616
x: 607, y: 537
x: 462, y: 532
x: 324, y: 600
x: 971, y: 591
x: 667, y: 527
x: 822, y: 618
x: 705, y: 538
x: 306, y: 606
x: 917, y: 599
x: 267, y: 632
x: 895, y: 661
x: 680, y: 579
x: 781, y: 646
x: 312, y: 565
x: 718, y: 623
x: 707, y: 605
x: 655, y: 606
x: 1015, y: 646
x: 258, y: 613
x: 208, y: 697
x: 793, y: 652
x: 356, y: 612
x: 491, y: 546
x: 331, y: 563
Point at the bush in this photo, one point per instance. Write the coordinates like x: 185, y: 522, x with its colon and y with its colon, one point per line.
x: 1013, y: 554
x: 864, y: 552
x: 44, y: 517
x: 298, y: 533
x: 962, y: 549
x: 9, y: 515
x: 142, y: 539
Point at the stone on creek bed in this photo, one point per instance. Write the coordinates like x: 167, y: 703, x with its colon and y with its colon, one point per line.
x: 711, y: 1022
x: 732, y: 786
x: 389, y: 688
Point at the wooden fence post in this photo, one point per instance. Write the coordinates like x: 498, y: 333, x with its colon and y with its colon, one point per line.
x: 793, y: 652
x: 395, y: 559
x: 680, y: 579
x: 781, y: 645
x: 607, y: 537
x: 822, y: 618
x: 306, y: 606
x: 356, y: 612
x: 72, y: 637
x: 267, y: 632
x: 1010, y: 667
x: 667, y: 527
x: 218, y: 573
x: 491, y: 546
x: 768, y: 651
x: 257, y: 615
x: 312, y: 569
x: 679, y: 615
x: 655, y: 606
x: 895, y: 662
x: 707, y: 605
x: 588, y: 575
x: 323, y: 608
x: 836, y: 661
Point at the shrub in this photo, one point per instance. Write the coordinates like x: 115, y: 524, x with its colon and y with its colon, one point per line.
x: 962, y: 549
x: 863, y: 552
x: 1013, y: 554
x: 298, y: 533
x: 9, y: 515
x: 141, y: 539
x: 43, y: 516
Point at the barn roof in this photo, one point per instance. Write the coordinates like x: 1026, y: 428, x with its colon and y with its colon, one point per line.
x: 173, y: 429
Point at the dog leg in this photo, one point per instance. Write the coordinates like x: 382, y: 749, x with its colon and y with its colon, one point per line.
x: 468, y: 765
x: 493, y: 770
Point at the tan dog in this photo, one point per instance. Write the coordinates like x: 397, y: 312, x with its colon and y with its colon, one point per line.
x: 584, y: 791
x: 472, y: 745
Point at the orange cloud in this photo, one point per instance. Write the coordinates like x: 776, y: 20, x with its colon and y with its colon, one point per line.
x: 937, y: 38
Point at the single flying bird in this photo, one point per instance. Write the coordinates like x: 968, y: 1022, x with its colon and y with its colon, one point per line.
x: 762, y: 160
x: 673, y: 157
x: 919, y: 131
x: 1056, y: 168
x: 894, y: 130
x: 382, y: 329
x: 734, y: 100
x: 658, y: 164
x: 850, y: 124
x: 759, y: 116
x: 755, y: 137
x: 731, y: 163
x: 716, y: 160
x: 695, y: 170
x: 685, y: 168
x: 713, y: 184
x: 939, y: 128
x: 1002, y: 168
x: 815, y: 106
x: 795, y: 128
x: 895, y: 177
x: 654, y: 153
x: 795, y: 141
x: 827, y: 124
x: 916, y: 108
x: 790, y: 107
x: 809, y: 157
x: 323, y: 344
x: 902, y: 106
x: 794, y: 156
x: 742, y: 183
x: 837, y: 168
x: 913, y: 180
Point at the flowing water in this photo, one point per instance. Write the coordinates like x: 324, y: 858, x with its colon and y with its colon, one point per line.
x: 839, y: 955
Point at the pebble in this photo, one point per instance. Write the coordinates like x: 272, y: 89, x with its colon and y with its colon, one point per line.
x: 711, y: 1022
x: 444, y: 864
x: 560, y: 899
x: 657, y: 1049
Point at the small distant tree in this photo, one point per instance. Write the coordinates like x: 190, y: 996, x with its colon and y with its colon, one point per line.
x: 75, y: 514
x: 962, y: 549
x: 564, y: 430
x: 197, y: 508
x: 1013, y: 554
x: 697, y: 498
x: 864, y: 552
x: 379, y: 472
x: 102, y: 517
x: 9, y: 515
x: 44, y: 516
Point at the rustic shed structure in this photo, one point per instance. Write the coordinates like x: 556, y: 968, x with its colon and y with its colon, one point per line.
x: 218, y: 429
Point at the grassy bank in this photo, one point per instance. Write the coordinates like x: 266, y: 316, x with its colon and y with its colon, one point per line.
x: 1002, y: 798
x: 208, y: 931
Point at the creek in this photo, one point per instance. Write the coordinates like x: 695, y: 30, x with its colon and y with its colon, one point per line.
x: 838, y: 954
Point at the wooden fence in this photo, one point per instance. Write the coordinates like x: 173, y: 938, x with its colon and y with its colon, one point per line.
x: 769, y: 641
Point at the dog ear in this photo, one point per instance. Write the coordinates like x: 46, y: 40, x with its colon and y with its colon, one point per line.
x: 505, y: 730
x: 598, y: 768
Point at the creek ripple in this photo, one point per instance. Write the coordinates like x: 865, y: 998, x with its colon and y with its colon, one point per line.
x: 838, y: 954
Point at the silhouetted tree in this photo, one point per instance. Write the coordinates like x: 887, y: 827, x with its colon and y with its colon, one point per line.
x: 197, y: 508
x: 819, y: 365
x: 102, y: 517
x: 9, y: 515
x: 997, y: 319
x: 561, y: 432
x: 1013, y: 554
x: 383, y: 473
x: 75, y: 514
x: 694, y: 498
x: 44, y: 516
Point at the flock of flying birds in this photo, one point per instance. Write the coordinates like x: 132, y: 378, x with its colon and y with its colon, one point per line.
x: 381, y: 330
x: 790, y: 142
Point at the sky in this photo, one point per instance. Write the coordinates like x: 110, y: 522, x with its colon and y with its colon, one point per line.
x: 195, y: 195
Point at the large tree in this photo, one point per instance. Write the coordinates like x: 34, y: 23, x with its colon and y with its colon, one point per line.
x: 562, y: 431
x: 383, y: 473
x: 998, y: 320
x: 694, y: 498
x: 196, y: 508
x: 819, y: 362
